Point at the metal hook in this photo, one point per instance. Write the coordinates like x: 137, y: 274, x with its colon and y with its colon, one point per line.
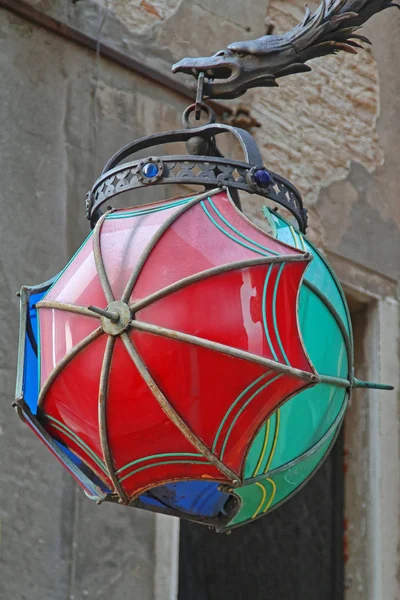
x: 199, y: 96
x: 192, y: 108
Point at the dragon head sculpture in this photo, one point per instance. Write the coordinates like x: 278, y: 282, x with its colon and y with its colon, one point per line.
x: 259, y: 63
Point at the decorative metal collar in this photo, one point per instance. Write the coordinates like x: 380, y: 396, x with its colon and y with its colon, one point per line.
x: 209, y: 170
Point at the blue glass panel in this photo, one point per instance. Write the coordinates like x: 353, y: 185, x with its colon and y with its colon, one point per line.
x: 31, y: 362
x: 200, y: 498
x: 84, y: 468
x: 149, y: 501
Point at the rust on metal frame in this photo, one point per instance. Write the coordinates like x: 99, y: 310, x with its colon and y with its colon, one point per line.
x: 102, y: 410
x: 54, y: 304
x: 98, y: 259
x: 223, y: 349
x: 174, y: 512
x: 172, y: 414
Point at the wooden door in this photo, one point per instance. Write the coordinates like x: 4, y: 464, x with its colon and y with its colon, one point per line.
x: 294, y: 553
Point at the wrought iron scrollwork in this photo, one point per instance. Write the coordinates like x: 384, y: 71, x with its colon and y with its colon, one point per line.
x: 259, y: 63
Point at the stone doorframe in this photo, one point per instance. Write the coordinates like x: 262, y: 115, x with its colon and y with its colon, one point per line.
x: 372, y: 448
x: 166, y: 553
x: 372, y: 451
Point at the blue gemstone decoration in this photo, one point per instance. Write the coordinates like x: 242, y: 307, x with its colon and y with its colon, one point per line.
x: 150, y: 170
x: 262, y: 178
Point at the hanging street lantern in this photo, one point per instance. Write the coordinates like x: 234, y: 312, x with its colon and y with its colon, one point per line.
x: 185, y: 361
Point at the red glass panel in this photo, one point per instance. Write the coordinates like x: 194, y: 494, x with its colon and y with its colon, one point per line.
x: 123, y: 240
x: 60, y: 332
x: 212, y: 399
x: 223, y: 400
x: 199, y: 240
x: 71, y: 405
x: 79, y: 283
x: 223, y: 210
x: 228, y: 308
x: 139, y: 431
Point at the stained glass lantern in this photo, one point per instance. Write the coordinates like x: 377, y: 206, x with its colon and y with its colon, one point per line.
x: 185, y: 361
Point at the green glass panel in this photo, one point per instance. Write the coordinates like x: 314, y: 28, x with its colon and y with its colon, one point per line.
x: 296, y: 428
x: 318, y: 272
x: 262, y: 450
x: 322, y: 336
x: 319, y: 275
x: 304, y: 420
x: 301, y: 423
x: 258, y: 498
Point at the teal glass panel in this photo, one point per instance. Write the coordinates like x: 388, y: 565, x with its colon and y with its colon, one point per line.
x: 322, y: 336
x: 306, y: 422
x: 302, y: 421
x: 318, y: 272
x: 263, y: 448
x: 294, y: 429
x: 258, y: 498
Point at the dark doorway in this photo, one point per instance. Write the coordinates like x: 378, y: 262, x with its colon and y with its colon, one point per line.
x: 295, y: 553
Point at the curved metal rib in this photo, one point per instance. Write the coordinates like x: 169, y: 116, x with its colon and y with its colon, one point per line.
x: 98, y: 259
x: 335, y: 315
x: 67, y: 358
x: 182, y: 283
x: 250, y: 150
x: 73, y: 308
x: 172, y: 414
x: 103, y: 393
x: 228, y: 350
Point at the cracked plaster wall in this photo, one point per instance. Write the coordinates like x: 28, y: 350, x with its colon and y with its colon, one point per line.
x: 140, y: 15
x: 335, y: 132
x: 62, y: 116
x: 316, y: 124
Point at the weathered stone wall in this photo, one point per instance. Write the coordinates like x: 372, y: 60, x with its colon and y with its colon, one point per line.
x: 315, y: 125
x: 62, y: 116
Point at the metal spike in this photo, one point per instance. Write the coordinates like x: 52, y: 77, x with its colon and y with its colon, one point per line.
x: 353, y: 44
x: 321, y: 13
x: 112, y: 316
x: 345, y: 47
x: 362, y: 38
x: 369, y: 385
x: 306, y: 17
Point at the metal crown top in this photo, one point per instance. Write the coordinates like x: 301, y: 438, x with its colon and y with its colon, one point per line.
x: 204, y: 165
